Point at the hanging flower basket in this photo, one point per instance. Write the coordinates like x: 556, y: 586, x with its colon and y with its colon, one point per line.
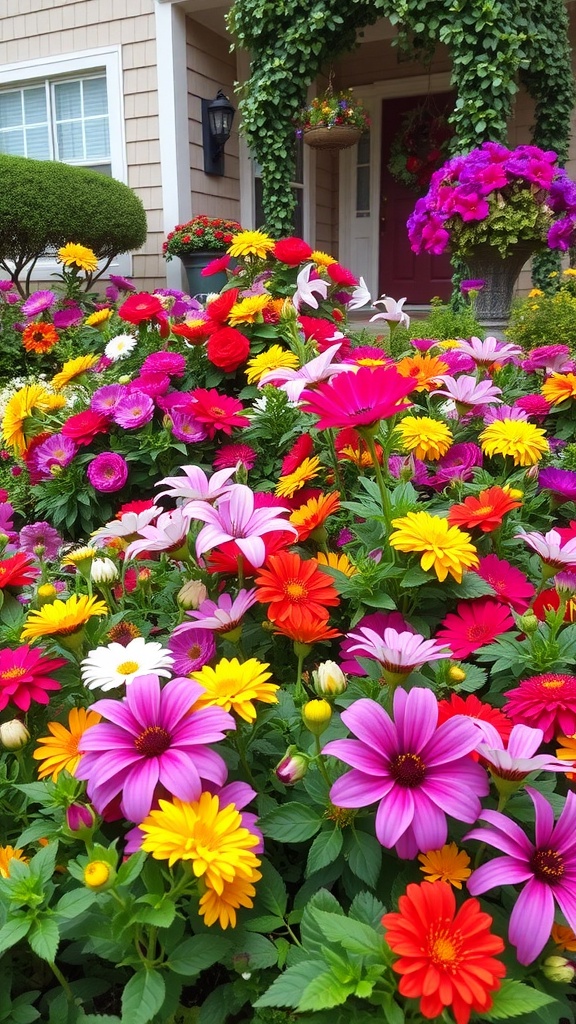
x: 334, y: 120
x: 333, y: 137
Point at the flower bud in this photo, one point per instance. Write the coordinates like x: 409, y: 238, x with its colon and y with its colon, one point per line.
x: 124, y: 378
x: 14, y: 735
x: 80, y: 820
x: 99, y: 875
x: 316, y: 715
x: 528, y: 622
x: 46, y: 594
x: 3, y: 541
x: 191, y: 595
x: 329, y: 679
x: 103, y: 570
x: 456, y: 674
x: 558, y: 968
x: 292, y: 767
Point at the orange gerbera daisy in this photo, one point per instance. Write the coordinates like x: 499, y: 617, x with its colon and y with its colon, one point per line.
x: 40, y: 337
x: 564, y: 937
x: 423, y: 368
x: 295, y: 589
x: 314, y: 513
x: 486, y: 511
x: 559, y: 387
x: 7, y: 854
x: 309, y: 631
x: 61, y: 750
x: 446, y: 956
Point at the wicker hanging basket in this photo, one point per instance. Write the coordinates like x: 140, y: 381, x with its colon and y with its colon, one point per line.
x: 339, y: 136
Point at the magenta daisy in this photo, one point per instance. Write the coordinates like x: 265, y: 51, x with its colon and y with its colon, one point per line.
x: 235, y: 517
x: 218, y: 412
x: 547, y: 865
x: 26, y: 676
x: 417, y: 771
x: 134, y: 410
x: 546, y: 702
x: 359, y: 399
x: 191, y: 648
x: 152, y: 739
x: 511, y: 585
x: 37, y: 303
x: 229, y: 455
x: 475, y: 624
x: 224, y: 615
x: 399, y: 653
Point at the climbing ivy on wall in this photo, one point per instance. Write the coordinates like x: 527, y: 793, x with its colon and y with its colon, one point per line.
x: 494, y: 44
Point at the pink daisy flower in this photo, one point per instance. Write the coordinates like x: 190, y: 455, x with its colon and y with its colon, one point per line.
x: 546, y: 702
x: 475, y: 624
x: 358, y: 399
x: 191, y: 649
x: 551, y: 548
x: 26, y: 676
x: 374, y: 621
x: 398, y: 652
x: 217, y: 411
x: 221, y: 616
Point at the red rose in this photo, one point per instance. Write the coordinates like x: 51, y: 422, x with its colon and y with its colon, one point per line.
x: 292, y: 251
x: 83, y: 426
x: 228, y: 349
x: 139, y: 307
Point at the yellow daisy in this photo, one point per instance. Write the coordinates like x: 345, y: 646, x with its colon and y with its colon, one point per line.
x: 61, y: 750
x: 322, y: 259
x: 334, y: 561
x: 559, y: 387
x: 100, y: 316
x: 523, y: 441
x: 423, y: 368
x: 222, y: 906
x: 427, y: 438
x: 249, y: 310
x: 54, y: 402
x: 62, y: 617
x: 79, y: 555
x: 22, y: 404
x: 449, y: 864
x: 74, y: 255
x: 445, y: 548
x: 535, y: 293
x: 73, y: 368
x: 234, y: 686
x: 251, y: 243
x: 274, y: 358
x: 292, y: 482
x: 7, y: 854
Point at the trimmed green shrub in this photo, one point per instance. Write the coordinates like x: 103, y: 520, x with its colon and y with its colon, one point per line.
x: 45, y: 204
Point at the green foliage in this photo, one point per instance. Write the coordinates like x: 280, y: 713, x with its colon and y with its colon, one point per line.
x: 445, y: 321
x: 46, y: 204
x: 539, y: 317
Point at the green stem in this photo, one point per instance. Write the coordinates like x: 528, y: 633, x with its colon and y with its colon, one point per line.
x: 62, y: 980
x: 384, y: 492
x: 319, y: 758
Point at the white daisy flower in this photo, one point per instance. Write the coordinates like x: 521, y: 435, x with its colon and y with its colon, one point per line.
x: 105, y: 668
x: 120, y: 346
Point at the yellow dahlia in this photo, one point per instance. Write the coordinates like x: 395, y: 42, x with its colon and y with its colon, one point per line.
x: 334, y: 561
x: 251, y: 243
x: 234, y: 686
x: 7, y: 854
x: 222, y: 906
x: 423, y: 368
x: 559, y: 387
x: 73, y: 255
x: 274, y: 358
x: 247, y: 311
x: 100, y: 316
x: 449, y: 864
x: 62, y: 617
x: 61, y: 750
x: 292, y: 482
x: 322, y: 259
x: 523, y: 441
x: 73, y: 368
x: 427, y: 438
x: 445, y: 548
x: 23, y: 404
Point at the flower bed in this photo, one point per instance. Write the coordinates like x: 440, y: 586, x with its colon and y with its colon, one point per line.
x: 289, y: 728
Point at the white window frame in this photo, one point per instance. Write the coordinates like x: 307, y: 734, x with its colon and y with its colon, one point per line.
x: 81, y: 64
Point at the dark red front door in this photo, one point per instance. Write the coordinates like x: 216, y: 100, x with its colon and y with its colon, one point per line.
x: 402, y: 272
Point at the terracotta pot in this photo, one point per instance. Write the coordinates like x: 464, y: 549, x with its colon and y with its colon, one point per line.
x: 339, y: 136
x: 494, y: 300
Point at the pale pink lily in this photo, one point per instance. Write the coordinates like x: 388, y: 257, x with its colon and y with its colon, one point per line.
x: 393, y: 311
x: 306, y: 289
x: 467, y: 390
x: 293, y: 382
x: 222, y: 615
x: 360, y: 296
x: 519, y: 759
x: 168, y: 534
x: 234, y: 517
x: 128, y: 525
x: 489, y: 351
x: 550, y: 548
x: 196, y: 485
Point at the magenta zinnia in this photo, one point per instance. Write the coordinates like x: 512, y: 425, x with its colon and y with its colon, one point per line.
x: 25, y: 676
x: 546, y: 702
x: 359, y: 399
x: 152, y: 740
x: 417, y: 771
x: 475, y: 624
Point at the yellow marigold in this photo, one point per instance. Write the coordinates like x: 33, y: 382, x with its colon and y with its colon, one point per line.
x: 7, y: 854
x: 73, y: 368
x: 332, y: 560
x: 569, y: 272
x: 272, y: 359
x: 423, y: 368
x: 62, y: 617
x: 524, y: 442
x: 322, y: 259
x: 427, y: 438
x: 251, y: 243
x: 249, y: 310
x: 559, y: 387
x: 79, y: 555
x: 535, y: 293
x: 100, y: 316
x: 73, y: 255
x: 23, y: 404
x: 60, y: 751
x: 234, y: 686
x: 222, y: 906
x: 445, y: 548
x: 448, y: 864
x: 292, y: 482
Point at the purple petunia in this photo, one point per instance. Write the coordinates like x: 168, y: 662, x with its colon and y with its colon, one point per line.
x: 560, y: 482
x: 70, y: 317
x: 108, y: 472
x: 40, y: 538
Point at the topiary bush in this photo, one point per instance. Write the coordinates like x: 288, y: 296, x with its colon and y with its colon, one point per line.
x: 45, y: 204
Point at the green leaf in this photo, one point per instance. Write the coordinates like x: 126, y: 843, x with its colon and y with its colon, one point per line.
x: 71, y: 904
x: 272, y: 893
x: 291, y: 823
x: 13, y: 931
x: 364, y: 856
x: 43, y: 863
x: 324, y: 850
x: 195, y: 954
x: 142, y: 997
x: 414, y: 577
x: 266, y: 923
x: 260, y: 951
x: 44, y: 938
x: 514, y: 999
x: 352, y: 935
x: 324, y: 991
x: 287, y: 990
x: 366, y: 908
x: 131, y: 868
x: 311, y: 939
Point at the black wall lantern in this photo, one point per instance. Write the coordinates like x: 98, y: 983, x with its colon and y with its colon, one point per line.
x: 217, y: 117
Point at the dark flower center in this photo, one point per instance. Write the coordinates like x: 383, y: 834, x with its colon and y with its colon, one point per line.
x: 547, y: 865
x: 153, y: 741
x: 408, y: 770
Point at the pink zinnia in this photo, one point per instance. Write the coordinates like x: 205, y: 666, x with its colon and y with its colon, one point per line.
x: 134, y: 410
x: 546, y: 702
x: 173, y: 364
x: 217, y: 411
x: 475, y: 624
x: 25, y: 676
x: 417, y: 771
x: 185, y: 428
x: 151, y: 383
x: 106, y: 398
x: 511, y: 585
x: 358, y: 399
x: 108, y: 472
x: 152, y: 739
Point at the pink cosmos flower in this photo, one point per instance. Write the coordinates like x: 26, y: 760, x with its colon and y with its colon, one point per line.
x: 519, y: 759
x: 152, y: 739
x: 475, y: 624
x: 489, y: 351
x: 547, y: 865
x: 468, y: 391
x: 511, y: 585
x: 400, y: 652
x: 194, y: 484
x: 417, y: 771
x: 359, y: 399
x: 223, y: 615
x: 234, y: 517
x: 550, y: 548
x: 168, y: 534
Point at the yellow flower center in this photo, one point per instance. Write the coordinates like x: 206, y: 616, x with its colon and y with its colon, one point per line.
x: 553, y: 684
x: 127, y: 667
x: 13, y: 673
x: 295, y: 590
x: 444, y: 950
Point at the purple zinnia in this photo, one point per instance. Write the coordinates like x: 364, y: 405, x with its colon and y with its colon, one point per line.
x: 106, y: 398
x: 107, y: 472
x: 134, y: 410
x: 548, y: 866
x: 152, y: 739
x: 173, y: 364
x: 417, y: 771
x: 37, y: 303
x: 57, y: 450
x: 186, y: 428
x: 191, y: 649
x: 560, y: 482
x: 40, y: 535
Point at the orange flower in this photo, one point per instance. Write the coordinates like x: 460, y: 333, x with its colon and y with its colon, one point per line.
x: 61, y: 750
x: 40, y: 337
x: 485, y: 511
x: 559, y: 387
x: 311, y: 631
x: 564, y: 937
x: 446, y: 956
x: 335, y: 561
x: 292, y: 482
x: 314, y: 513
x: 295, y: 589
x: 424, y: 369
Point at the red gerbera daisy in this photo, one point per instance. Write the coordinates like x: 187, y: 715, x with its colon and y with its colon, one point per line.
x: 546, y: 702
x: 446, y: 955
x: 24, y: 676
x: 17, y: 571
x: 475, y: 624
x: 295, y: 589
x: 300, y: 450
x: 511, y: 585
x: 486, y: 511
x: 475, y: 708
x: 217, y: 412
